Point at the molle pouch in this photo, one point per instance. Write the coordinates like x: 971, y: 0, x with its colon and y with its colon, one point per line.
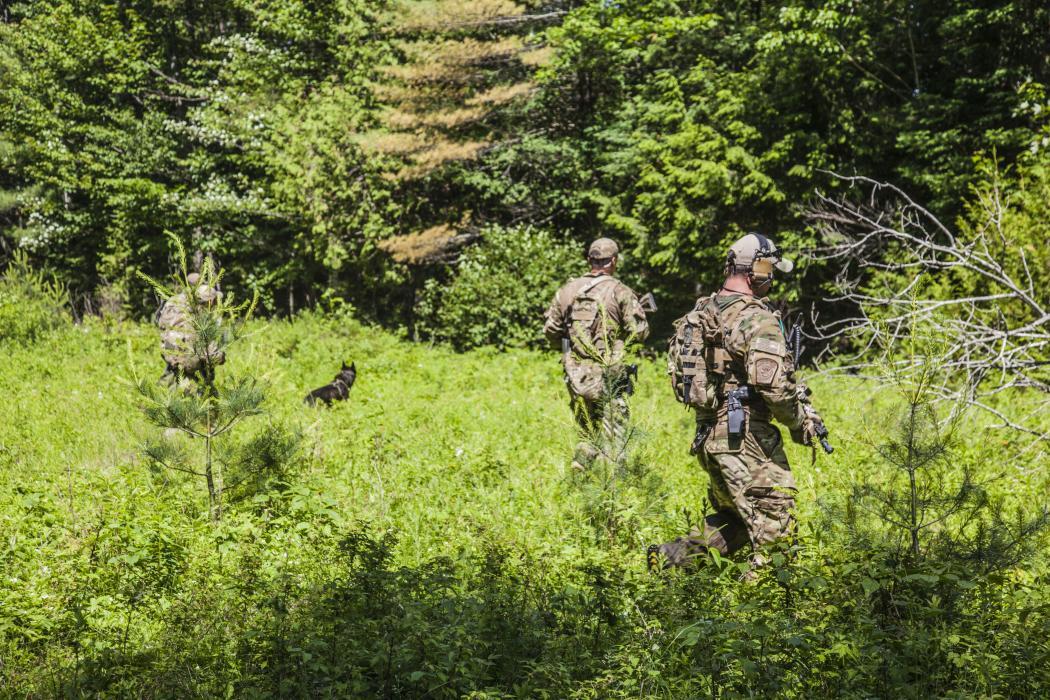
x: 585, y: 319
x: 582, y: 321
x: 701, y: 394
x: 584, y: 312
x: 721, y: 442
x: 689, y: 364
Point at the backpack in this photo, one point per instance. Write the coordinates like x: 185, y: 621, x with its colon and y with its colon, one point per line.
x: 694, y: 363
x: 585, y: 320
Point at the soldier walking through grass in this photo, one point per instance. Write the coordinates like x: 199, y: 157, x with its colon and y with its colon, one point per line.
x: 593, y: 319
x: 729, y: 360
x: 187, y: 355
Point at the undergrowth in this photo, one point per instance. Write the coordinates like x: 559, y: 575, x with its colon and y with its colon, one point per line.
x: 431, y: 541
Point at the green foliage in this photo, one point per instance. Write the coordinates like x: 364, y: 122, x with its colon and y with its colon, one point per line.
x: 928, y: 503
x: 31, y: 303
x: 430, y: 541
x: 1004, y: 223
x: 264, y: 132
x: 1010, y: 207
x: 424, y: 539
x: 122, y: 124
x: 618, y: 489
x: 693, y: 122
x: 282, y: 190
x: 92, y: 156
x: 499, y: 290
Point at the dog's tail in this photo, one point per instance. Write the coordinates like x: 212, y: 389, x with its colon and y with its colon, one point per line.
x: 310, y: 399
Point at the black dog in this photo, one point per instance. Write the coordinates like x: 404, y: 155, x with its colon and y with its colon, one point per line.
x: 337, y: 390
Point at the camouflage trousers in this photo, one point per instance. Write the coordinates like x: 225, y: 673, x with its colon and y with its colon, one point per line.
x: 601, y: 425
x: 752, y: 491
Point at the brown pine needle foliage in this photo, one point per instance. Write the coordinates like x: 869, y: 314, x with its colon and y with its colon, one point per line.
x: 462, y: 52
x: 537, y: 57
x: 453, y: 61
x: 462, y: 63
x: 421, y: 246
x: 392, y: 143
x: 444, y: 120
x: 394, y: 93
x: 501, y: 94
x: 443, y: 15
x: 442, y: 153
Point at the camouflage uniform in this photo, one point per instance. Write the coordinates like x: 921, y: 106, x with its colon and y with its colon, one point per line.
x: 177, y: 336
x: 752, y: 488
x: 599, y: 315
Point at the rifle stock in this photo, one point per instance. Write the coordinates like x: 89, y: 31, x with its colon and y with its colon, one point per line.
x: 648, y: 302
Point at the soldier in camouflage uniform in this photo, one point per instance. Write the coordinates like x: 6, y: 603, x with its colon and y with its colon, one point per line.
x: 178, y: 338
x: 751, y: 485
x: 592, y: 319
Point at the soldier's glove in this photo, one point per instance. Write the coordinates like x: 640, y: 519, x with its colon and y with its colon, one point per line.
x: 805, y: 433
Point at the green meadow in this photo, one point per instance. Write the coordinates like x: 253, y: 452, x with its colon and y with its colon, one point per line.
x: 428, y: 539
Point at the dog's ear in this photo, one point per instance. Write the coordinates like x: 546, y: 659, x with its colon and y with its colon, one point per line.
x: 353, y: 367
x: 344, y: 365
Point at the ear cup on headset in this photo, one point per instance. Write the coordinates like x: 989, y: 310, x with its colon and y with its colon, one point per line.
x: 762, y: 270
x: 759, y: 255
x: 762, y: 267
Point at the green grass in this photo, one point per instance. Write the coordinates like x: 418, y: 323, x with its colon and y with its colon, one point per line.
x: 507, y: 575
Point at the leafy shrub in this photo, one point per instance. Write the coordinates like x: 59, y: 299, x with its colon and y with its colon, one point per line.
x: 499, y: 290
x: 31, y: 303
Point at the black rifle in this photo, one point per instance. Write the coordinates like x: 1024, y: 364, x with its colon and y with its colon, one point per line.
x: 822, y: 435
x: 794, y: 340
x: 648, y: 302
x: 818, y: 426
x: 630, y: 376
x: 702, y: 431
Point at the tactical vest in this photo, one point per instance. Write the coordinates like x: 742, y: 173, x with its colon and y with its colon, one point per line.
x: 700, y: 367
x: 585, y: 321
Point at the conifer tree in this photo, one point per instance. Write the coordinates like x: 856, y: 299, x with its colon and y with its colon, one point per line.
x: 929, y: 503
x: 463, y: 65
x: 202, y: 410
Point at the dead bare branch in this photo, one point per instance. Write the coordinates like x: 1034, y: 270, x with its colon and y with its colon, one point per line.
x: 998, y: 328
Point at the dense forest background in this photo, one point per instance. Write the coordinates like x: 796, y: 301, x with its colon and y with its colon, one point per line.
x: 374, y: 173
x: 414, y: 159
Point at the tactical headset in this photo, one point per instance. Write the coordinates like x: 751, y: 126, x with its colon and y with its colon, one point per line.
x: 762, y: 264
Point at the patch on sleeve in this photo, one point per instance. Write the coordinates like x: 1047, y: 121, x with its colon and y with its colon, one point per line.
x: 765, y: 370
x: 768, y: 345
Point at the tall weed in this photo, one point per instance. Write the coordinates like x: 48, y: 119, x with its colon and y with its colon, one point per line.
x: 32, y: 304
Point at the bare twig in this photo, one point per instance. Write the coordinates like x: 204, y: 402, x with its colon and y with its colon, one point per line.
x: 998, y: 328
